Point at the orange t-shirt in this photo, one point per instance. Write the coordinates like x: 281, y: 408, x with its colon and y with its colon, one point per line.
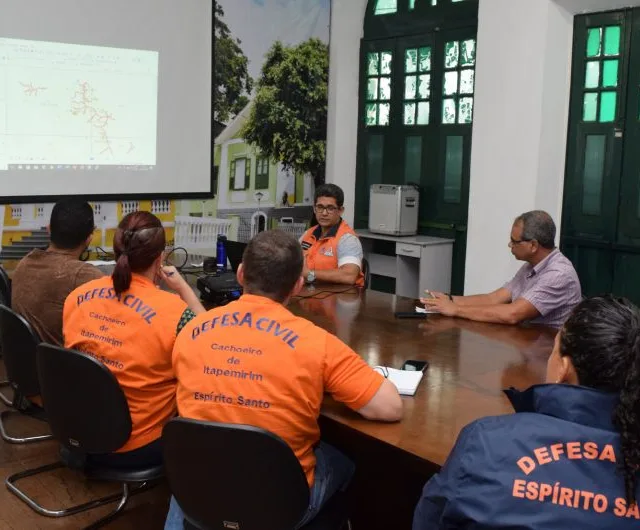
x: 133, y: 335
x: 254, y: 362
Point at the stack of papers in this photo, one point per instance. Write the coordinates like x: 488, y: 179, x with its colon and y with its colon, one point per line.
x: 406, y: 381
x: 425, y: 310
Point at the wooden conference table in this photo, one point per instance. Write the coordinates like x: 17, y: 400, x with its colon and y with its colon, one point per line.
x: 469, y: 365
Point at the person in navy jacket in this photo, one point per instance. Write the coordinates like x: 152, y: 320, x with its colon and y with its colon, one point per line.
x: 570, y: 456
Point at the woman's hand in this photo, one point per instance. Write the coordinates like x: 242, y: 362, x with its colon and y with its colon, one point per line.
x: 174, y: 279
x: 176, y: 282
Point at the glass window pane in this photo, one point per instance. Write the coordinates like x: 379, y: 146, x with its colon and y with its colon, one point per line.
x: 451, y: 52
x: 409, y: 113
x: 612, y: 40
x: 385, y: 62
x: 423, y: 113
x: 371, y: 114
x: 412, y: 158
x: 410, y: 83
x: 453, y: 169
x: 466, y: 81
x: 375, y: 151
x: 410, y: 61
x: 424, y: 86
x: 425, y: 59
x: 590, y: 106
x: 240, y: 174
x: 608, y: 106
x: 594, y: 38
x: 592, y: 75
x: 468, y: 55
x: 412, y: 4
x: 594, y: 154
x: 434, y: 2
x: 373, y: 63
x: 385, y: 7
x: 610, y: 73
x: 465, y: 110
x: 448, y: 111
x: 372, y: 88
x: 450, y: 83
x: 383, y: 113
x: 385, y: 88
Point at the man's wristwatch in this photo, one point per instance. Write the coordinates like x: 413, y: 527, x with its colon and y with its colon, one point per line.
x: 311, y: 277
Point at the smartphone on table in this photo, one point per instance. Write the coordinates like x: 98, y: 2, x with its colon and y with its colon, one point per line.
x: 415, y: 366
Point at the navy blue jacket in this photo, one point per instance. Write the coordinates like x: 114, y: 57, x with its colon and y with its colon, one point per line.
x: 553, y: 465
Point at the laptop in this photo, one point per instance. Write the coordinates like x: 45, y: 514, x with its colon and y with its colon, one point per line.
x: 235, y: 250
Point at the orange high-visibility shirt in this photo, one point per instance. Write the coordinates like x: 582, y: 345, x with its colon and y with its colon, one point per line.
x: 133, y: 335
x: 254, y: 362
x: 321, y: 253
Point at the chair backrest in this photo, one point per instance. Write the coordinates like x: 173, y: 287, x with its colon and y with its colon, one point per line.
x: 5, y: 288
x: 18, y: 342
x: 233, y: 476
x: 86, y: 408
x: 366, y: 272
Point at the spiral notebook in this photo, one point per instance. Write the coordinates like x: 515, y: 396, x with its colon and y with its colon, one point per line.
x: 406, y: 381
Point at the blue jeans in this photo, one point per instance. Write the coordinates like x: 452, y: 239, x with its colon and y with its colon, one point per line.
x: 333, y: 473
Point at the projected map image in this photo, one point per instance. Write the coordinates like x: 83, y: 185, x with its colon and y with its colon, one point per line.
x: 68, y: 104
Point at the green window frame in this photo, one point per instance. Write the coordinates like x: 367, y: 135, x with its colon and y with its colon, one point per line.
x: 262, y: 173
x: 232, y: 173
x: 458, y: 82
x: 390, y: 7
x: 602, y: 74
x: 417, y: 86
x: 386, y: 7
x: 379, y: 72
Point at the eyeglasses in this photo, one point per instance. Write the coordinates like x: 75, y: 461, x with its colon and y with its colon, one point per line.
x: 518, y: 241
x: 319, y: 208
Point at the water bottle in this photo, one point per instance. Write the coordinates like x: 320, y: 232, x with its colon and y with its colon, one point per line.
x: 221, y: 254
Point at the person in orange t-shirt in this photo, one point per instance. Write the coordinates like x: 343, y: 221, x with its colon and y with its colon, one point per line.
x: 130, y: 325
x: 254, y: 362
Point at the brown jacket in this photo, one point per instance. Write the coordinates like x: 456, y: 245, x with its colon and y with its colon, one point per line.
x: 41, y: 283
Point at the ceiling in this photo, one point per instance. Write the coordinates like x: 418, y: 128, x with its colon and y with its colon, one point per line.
x: 578, y: 7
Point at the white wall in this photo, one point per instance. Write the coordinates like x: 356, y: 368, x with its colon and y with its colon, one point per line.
x: 519, y: 130
x: 347, y: 19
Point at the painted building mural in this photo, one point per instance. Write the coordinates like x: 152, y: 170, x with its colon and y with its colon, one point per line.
x: 253, y: 191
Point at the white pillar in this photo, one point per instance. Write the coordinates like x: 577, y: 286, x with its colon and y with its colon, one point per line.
x: 519, y: 130
x: 347, y: 22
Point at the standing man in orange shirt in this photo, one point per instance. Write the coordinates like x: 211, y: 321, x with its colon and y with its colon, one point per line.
x: 254, y: 362
x: 332, y: 250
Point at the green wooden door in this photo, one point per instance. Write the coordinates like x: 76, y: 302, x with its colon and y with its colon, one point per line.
x: 601, y: 217
x: 416, y: 113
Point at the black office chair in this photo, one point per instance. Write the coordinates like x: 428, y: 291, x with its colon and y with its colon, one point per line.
x: 366, y: 272
x: 239, y: 476
x: 5, y: 299
x: 5, y: 288
x: 88, y: 414
x: 18, y: 342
